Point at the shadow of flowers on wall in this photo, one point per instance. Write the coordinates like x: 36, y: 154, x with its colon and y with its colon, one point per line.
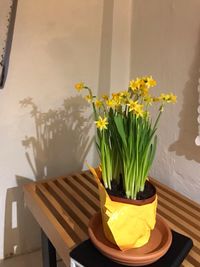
x: 185, y: 145
x: 61, y: 140
x: 57, y: 146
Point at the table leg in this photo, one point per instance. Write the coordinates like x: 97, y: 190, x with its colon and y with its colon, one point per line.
x: 48, y: 252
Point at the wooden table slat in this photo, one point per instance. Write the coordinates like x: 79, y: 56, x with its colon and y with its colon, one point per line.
x: 49, y: 224
x: 93, y: 201
x: 177, y: 195
x: 181, y: 213
x: 64, y: 218
x: 181, y: 205
x: 77, y: 198
x: 69, y: 206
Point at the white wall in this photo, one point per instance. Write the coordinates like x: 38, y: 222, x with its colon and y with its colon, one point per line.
x: 52, y: 48
x: 165, y: 42
x: 56, y: 43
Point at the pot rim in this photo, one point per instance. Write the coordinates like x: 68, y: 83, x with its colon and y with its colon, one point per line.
x: 137, y: 202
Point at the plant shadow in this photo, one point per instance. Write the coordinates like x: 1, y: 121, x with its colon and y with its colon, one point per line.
x: 61, y: 141
x: 188, y: 125
x: 59, y: 146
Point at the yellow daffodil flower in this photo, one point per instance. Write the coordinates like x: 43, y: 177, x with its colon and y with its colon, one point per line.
x: 105, y: 97
x: 137, y: 84
x: 136, y: 108
x: 172, y: 98
x: 98, y: 103
x: 89, y: 98
x: 79, y: 86
x: 111, y: 103
x: 117, y: 98
x: 148, y: 99
x: 169, y: 98
x: 132, y: 105
x: 144, y: 91
x: 139, y: 112
x: 132, y: 85
x: 102, y: 123
x: 125, y: 94
x: 150, y: 82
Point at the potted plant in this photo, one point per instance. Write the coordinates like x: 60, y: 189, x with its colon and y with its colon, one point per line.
x: 126, y: 141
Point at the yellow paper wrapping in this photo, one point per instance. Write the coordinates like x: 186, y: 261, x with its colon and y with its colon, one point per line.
x: 126, y: 225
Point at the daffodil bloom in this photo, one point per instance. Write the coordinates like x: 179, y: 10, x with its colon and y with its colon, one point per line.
x: 144, y: 90
x: 125, y: 94
x: 140, y: 82
x: 132, y: 105
x: 148, y: 99
x: 102, y: 123
x: 105, y: 97
x: 79, y: 86
x: 135, y: 85
x: 169, y: 98
x: 98, y: 103
x: 136, y: 108
x: 172, y: 98
x: 164, y: 97
x: 111, y: 103
x: 132, y: 85
x: 150, y: 82
x: 139, y: 110
x: 117, y: 98
x: 89, y: 98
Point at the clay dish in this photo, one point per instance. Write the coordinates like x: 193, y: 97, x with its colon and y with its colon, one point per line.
x: 157, y: 246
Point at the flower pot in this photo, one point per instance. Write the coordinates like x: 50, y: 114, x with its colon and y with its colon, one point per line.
x: 129, y: 231
x: 126, y: 223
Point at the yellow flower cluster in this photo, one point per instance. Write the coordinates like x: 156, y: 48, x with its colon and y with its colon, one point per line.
x: 136, y: 99
x: 141, y: 85
x: 169, y: 98
x: 136, y: 108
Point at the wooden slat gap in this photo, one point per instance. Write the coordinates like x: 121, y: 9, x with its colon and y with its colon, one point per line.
x: 83, y: 182
x: 90, y: 178
x: 185, y: 208
x: 80, y: 202
x: 172, y: 192
x: 177, y: 213
x: 80, y: 191
x: 192, y: 260
x: 190, y: 233
x: 59, y: 218
x: 68, y: 211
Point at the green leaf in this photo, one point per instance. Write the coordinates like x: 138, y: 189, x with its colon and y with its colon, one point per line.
x: 120, y: 128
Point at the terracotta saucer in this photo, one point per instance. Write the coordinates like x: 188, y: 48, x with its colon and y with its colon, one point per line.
x: 157, y: 246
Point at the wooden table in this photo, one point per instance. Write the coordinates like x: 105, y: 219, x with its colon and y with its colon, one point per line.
x: 64, y: 205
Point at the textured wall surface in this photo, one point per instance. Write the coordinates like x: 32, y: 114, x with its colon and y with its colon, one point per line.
x: 44, y: 124
x: 165, y: 42
x: 50, y: 134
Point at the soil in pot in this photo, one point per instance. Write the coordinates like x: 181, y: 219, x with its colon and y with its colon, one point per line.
x: 117, y: 191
